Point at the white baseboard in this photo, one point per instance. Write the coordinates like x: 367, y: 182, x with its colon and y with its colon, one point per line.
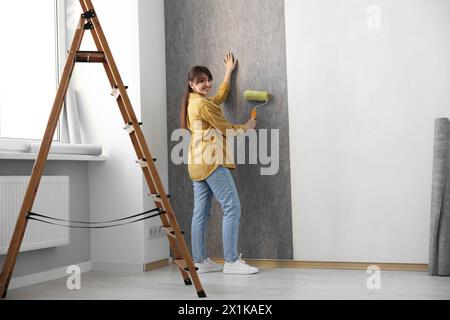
x: 36, y: 278
x: 118, y: 267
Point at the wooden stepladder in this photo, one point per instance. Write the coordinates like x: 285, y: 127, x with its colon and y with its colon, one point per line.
x: 89, y: 21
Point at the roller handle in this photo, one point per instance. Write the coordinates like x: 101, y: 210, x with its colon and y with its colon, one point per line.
x: 254, y: 114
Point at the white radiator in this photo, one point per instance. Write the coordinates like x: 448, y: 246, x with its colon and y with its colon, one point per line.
x: 52, y: 200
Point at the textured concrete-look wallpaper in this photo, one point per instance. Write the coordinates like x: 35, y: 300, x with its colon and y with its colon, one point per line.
x: 200, y: 32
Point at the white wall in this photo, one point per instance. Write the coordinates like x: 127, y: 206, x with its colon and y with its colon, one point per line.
x: 362, y: 108
x: 154, y: 107
x: 116, y: 186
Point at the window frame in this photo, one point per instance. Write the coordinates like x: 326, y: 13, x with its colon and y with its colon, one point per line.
x: 22, y: 145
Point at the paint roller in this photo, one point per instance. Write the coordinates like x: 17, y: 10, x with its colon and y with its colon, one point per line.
x: 257, y: 96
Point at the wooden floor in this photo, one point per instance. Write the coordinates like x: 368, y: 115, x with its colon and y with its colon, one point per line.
x: 271, y: 284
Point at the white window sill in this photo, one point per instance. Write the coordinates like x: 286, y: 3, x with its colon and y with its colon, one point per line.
x: 6, y: 155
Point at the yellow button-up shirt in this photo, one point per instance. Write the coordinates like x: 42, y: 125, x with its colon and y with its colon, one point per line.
x: 209, y: 128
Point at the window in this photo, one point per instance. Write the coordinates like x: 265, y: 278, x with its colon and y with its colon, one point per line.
x: 29, y: 66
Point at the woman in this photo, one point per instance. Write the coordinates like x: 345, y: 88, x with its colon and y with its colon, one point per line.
x: 209, y: 167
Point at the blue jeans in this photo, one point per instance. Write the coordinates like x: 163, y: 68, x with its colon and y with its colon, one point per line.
x: 221, y: 185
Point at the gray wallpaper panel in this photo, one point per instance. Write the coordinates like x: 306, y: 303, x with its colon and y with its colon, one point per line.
x: 200, y: 32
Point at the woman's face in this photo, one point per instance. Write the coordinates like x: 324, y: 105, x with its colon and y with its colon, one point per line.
x: 202, y: 85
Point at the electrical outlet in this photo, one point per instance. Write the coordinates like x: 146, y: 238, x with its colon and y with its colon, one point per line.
x: 155, y: 232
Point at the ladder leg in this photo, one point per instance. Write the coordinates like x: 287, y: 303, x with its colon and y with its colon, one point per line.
x: 177, y: 253
x: 148, y: 177
x: 128, y: 113
x: 174, y: 244
x: 39, y: 165
x: 149, y: 180
x: 141, y: 147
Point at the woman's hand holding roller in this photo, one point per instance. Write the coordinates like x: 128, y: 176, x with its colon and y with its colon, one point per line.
x: 251, y: 124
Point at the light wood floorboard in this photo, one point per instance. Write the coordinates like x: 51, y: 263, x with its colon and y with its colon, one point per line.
x: 270, y: 284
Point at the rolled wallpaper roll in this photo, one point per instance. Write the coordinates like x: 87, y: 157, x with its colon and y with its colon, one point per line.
x: 439, y: 259
x: 73, y: 121
x: 79, y: 149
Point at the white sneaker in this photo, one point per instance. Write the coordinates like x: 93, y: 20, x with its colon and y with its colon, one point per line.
x: 239, y: 267
x: 208, y: 266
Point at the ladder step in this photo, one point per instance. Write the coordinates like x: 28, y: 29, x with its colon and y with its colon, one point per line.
x: 157, y: 196
x: 116, y: 92
x: 170, y: 232
x: 143, y: 162
x: 181, y: 263
x: 90, y: 57
x: 130, y: 128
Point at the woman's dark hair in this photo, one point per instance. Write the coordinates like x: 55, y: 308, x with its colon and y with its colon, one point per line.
x: 194, y: 74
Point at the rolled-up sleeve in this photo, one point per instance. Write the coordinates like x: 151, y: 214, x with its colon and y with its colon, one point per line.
x: 222, y: 94
x: 214, y: 116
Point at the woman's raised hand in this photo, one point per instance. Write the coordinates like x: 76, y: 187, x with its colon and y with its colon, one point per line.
x: 230, y: 62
